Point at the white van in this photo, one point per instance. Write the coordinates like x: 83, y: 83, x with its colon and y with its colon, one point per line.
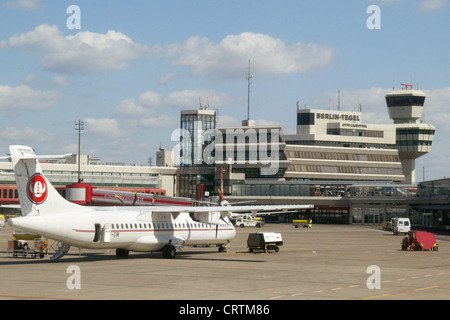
x: 401, y: 225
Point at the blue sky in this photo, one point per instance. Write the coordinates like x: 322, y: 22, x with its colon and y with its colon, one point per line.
x: 134, y: 65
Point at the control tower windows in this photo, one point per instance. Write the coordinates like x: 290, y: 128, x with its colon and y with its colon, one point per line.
x: 406, y: 100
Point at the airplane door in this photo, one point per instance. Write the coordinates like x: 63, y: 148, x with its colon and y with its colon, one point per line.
x: 106, y: 234
x: 97, y: 232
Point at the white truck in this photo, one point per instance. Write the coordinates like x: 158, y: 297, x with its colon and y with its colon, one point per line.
x: 247, y: 221
x: 401, y: 225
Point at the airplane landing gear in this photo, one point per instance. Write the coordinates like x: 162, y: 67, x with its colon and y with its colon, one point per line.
x: 224, y: 247
x: 122, y: 253
x: 169, y: 252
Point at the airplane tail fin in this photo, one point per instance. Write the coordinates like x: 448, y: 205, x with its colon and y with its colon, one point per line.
x: 36, y: 193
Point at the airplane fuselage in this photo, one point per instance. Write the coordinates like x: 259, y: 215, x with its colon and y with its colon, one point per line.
x: 130, y: 230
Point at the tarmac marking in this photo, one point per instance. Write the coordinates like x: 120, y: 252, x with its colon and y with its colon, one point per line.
x: 373, y: 297
x: 407, y: 291
x: 296, y: 294
x: 32, y: 297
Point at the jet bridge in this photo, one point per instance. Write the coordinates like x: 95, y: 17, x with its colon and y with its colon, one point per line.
x: 86, y: 194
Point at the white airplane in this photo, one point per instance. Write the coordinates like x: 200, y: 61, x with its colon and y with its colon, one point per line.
x: 141, y: 229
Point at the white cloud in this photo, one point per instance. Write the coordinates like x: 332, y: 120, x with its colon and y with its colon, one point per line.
x: 229, y: 57
x: 24, y: 4
x: 27, y: 134
x: 154, y: 110
x: 436, y: 109
x: 188, y: 99
x: 150, y: 102
x: 165, y: 79
x: 158, y: 122
x: 23, y: 97
x: 430, y: 5
x: 135, y: 107
x: 105, y: 127
x: 60, y: 81
x: 83, y: 52
x: 227, y: 121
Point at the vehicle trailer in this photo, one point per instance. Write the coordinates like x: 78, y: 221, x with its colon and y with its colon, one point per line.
x: 20, y: 248
x: 420, y: 241
x: 264, y: 241
x: 305, y: 223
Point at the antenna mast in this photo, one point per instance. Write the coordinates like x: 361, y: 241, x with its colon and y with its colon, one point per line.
x: 249, y: 77
x: 339, y: 100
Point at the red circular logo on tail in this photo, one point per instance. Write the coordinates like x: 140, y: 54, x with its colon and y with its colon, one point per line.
x: 37, y: 189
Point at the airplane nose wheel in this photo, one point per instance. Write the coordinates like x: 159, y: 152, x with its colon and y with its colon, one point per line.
x: 169, y: 252
x: 224, y: 247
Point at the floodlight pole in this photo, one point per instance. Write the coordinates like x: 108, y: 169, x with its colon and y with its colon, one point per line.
x: 80, y: 127
x: 249, y: 82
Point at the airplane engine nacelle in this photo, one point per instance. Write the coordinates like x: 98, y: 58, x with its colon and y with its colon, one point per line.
x: 207, y: 217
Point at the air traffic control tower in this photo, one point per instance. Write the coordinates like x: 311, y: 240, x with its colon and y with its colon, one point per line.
x: 413, y: 137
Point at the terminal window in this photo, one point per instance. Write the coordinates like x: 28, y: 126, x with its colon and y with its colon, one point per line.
x: 305, y: 119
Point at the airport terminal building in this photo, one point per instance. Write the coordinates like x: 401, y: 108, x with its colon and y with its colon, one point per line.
x: 351, y: 171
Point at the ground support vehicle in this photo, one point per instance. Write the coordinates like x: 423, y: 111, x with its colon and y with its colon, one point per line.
x: 264, y: 241
x: 401, y: 225
x: 248, y: 221
x: 21, y: 249
x: 419, y: 241
x: 387, y: 226
x: 304, y: 223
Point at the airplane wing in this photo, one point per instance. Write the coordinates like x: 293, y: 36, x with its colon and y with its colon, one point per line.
x: 229, y: 209
x: 214, y: 215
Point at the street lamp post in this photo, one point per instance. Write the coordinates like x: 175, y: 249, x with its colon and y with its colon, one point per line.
x: 79, y: 126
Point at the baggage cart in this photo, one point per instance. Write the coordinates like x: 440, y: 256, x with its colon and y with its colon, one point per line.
x: 21, y: 249
x: 264, y: 241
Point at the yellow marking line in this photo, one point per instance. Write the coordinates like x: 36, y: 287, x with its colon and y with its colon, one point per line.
x: 414, y: 290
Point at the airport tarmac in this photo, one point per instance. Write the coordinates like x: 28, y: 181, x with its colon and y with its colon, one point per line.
x: 326, y: 262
